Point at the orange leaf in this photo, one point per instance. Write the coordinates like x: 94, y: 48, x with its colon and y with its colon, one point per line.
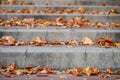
x: 11, y: 67
x: 109, y: 71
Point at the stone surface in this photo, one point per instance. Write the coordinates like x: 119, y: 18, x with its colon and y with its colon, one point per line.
x: 91, y: 17
x: 61, y: 57
x: 59, y: 34
x: 59, y: 77
x: 56, y: 7
x: 74, y: 2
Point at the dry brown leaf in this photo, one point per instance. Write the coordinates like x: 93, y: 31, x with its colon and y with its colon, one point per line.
x: 11, y: 67
x: 87, y: 41
x: 117, y: 44
x: 72, y: 43
x: 95, y: 70
x: 18, y: 72
x: 50, y: 70
x: 82, y: 10
x: 118, y: 72
x: 8, y: 40
x: 103, y: 75
x: 109, y: 71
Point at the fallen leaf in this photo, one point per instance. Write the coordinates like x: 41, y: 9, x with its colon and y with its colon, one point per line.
x: 18, y: 72
x: 8, y: 40
x: 87, y: 41
x: 118, y: 72
x: 87, y: 71
x: 109, y: 71
x: 103, y: 75
x: 11, y: 67
x: 117, y: 44
x: 82, y: 10
x: 50, y: 70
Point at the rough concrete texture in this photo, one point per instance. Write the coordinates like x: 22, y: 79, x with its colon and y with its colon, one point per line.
x: 94, y: 18
x: 61, y: 57
x: 60, y: 34
x: 56, y: 7
x: 59, y: 77
x: 74, y: 2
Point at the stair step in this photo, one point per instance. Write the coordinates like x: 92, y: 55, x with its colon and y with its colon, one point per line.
x: 61, y: 57
x: 59, y: 34
x: 74, y: 2
x: 56, y: 7
x: 94, y: 18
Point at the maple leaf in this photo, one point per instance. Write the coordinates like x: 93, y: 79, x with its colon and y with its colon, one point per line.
x: 117, y: 44
x: 50, y: 70
x: 36, y: 69
x: 11, y: 67
x: 20, y: 43
x: 87, y: 41
x: 73, y: 43
x: 108, y: 40
x: 78, y: 71
x: 73, y: 71
x: 70, y: 22
x: 87, y: 71
x: 82, y: 10
x: 109, y: 71
x: 38, y: 42
x: 8, y: 40
x: 53, y: 42
x: 95, y: 70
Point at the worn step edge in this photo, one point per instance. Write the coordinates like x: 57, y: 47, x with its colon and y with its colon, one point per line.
x: 95, y: 17
x: 61, y: 57
x: 60, y: 34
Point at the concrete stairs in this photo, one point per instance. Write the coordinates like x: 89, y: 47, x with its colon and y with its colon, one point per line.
x: 62, y: 57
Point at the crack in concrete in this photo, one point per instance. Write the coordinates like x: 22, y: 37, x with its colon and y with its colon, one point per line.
x: 86, y: 57
x: 46, y: 36
x: 114, y: 59
x: 26, y: 56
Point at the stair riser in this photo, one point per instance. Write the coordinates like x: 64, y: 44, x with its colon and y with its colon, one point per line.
x: 74, y: 2
x: 94, y: 18
x: 42, y: 7
x: 61, y: 58
x: 61, y: 35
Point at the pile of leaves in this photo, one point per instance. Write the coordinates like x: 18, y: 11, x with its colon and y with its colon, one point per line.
x: 102, y: 42
x: 77, y: 22
x: 80, y: 10
x: 91, y: 71
x: 13, y: 70
x: 14, y: 2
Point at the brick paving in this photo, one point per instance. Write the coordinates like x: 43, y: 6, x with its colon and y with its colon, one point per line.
x: 58, y: 77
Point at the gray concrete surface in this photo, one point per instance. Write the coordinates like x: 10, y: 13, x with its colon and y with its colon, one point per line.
x: 60, y: 34
x: 94, y: 18
x: 61, y: 57
x: 56, y: 7
x: 74, y: 2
